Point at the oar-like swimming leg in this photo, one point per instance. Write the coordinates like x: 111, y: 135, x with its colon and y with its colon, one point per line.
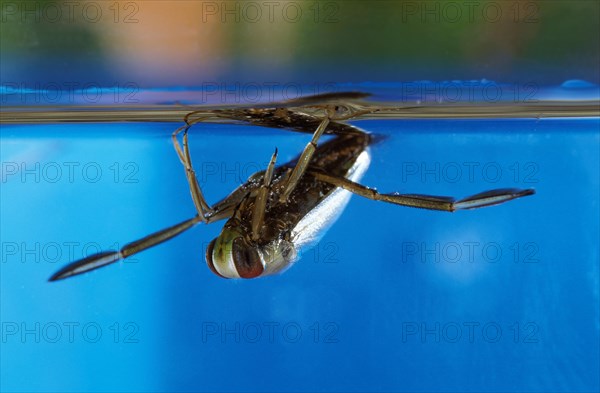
x: 444, y: 203
x: 105, y: 258
x: 221, y: 210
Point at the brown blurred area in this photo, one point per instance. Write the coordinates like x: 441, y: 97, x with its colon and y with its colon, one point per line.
x: 189, y: 43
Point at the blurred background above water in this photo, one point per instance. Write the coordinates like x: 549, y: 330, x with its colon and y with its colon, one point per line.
x: 50, y: 44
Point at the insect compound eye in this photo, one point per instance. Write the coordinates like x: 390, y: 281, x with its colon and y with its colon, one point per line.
x: 209, y: 258
x: 246, y: 259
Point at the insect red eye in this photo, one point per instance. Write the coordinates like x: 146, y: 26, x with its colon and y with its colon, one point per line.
x: 246, y: 259
x: 209, y: 258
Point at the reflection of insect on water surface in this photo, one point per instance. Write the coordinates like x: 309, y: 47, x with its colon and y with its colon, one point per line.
x: 285, y: 208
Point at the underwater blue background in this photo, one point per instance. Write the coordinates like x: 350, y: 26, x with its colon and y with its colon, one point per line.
x: 504, y: 298
x: 501, y: 299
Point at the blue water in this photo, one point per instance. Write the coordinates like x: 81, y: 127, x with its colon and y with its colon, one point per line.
x: 504, y: 298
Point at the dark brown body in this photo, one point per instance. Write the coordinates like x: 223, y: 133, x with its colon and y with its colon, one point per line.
x: 334, y: 157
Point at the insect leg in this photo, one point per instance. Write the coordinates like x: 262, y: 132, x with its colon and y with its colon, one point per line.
x: 101, y: 259
x: 221, y: 210
x: 261, y: 199
x: 487, y: 198
x: 304, y: 159
x: 107, y: 257
x: 184, y: 156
